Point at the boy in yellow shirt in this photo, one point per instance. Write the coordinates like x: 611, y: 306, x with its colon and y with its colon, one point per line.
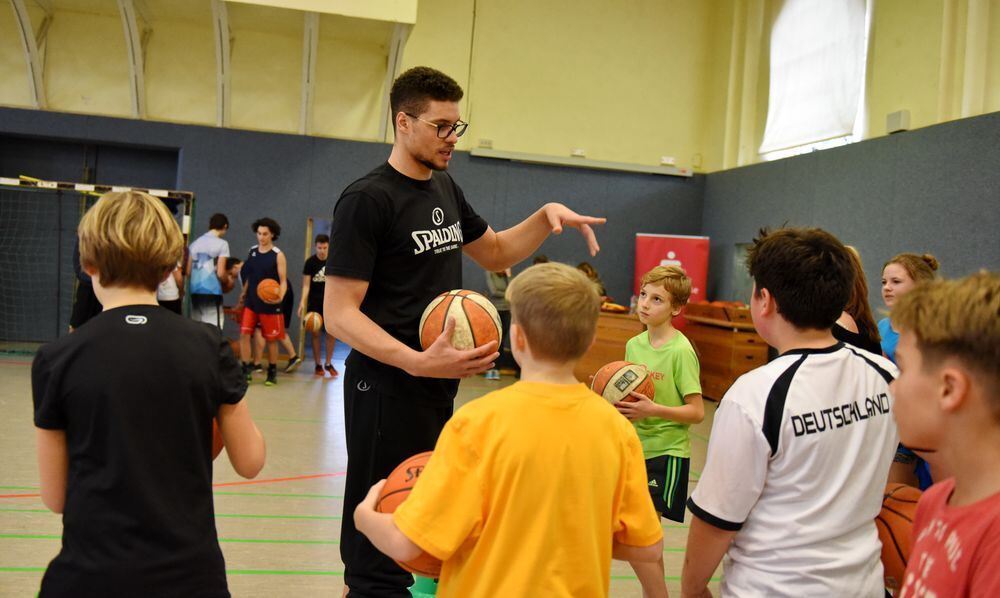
x: 533, y: 489
x: 662, y: 423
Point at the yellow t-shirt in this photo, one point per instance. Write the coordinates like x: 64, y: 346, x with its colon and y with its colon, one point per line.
x: 526, y: 491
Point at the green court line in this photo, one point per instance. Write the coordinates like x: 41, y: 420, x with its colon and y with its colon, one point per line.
x: 281, y: 494
x: 667, y: 577
x: 330, y: 573
x: 22, y: 569
x: 280, y: 572
x: 225, y: 515
x: 19, y: 488
x: 227, y: 540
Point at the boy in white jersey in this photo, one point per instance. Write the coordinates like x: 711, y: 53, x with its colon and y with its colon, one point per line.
x: 662, y: 423
x: 801, y: 447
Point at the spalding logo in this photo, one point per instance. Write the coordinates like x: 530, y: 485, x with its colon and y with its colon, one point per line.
x: 136, y: 320
x: 437, y: 216
x: 413, y: 473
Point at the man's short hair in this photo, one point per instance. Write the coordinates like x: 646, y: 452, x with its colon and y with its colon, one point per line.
x: 218, y: 222
x: 960, y: 319
x: 674, y: 280
x: 271, y: 225
x: 321, y: 238
x: 131, y: 239
x: 232, y: 261
x: 414, y: 89
x: 808, y: 272
x: 557, y: 307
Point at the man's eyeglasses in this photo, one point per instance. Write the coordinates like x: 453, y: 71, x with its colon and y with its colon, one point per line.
x: 444, y: 131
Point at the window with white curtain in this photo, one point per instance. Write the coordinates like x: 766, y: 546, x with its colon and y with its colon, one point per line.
x: 817, y: 74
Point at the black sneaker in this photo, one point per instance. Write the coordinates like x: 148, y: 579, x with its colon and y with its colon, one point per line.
x: 332, y: 370
x: 319, y: 370
x: 272, y: 376
x: 248, y: 372
x: 258, y: 369
x: 293, y: 364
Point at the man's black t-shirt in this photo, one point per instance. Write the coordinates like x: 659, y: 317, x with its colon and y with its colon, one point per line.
x: 135, y: 391
x: 405, y: 238
x: 315, y: 269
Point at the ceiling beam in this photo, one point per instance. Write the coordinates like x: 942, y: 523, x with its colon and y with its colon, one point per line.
x: 394, y: 62
x: 223, y: 47
x: 310, y: 47
x: 136, y: 63
x: 36, y: 83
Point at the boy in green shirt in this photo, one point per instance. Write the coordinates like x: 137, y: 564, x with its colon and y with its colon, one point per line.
x: 662, y: 423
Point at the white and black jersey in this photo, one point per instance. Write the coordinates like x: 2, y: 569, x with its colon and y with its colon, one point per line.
x: 797, y: 462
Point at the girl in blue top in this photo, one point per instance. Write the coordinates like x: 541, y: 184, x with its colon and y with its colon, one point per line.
x: 900, y: 275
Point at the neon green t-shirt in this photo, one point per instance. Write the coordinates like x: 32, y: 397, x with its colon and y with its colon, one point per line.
x: 675, y: 372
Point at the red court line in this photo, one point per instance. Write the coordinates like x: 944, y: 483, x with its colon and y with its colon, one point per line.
x: 291, y: 479
x: 243, y: 483
x: 5, y: 362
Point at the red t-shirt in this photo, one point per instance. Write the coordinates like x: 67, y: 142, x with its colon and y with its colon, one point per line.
x: 956, y: 550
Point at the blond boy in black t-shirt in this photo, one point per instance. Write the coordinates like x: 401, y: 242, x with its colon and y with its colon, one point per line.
x: 124, y: 444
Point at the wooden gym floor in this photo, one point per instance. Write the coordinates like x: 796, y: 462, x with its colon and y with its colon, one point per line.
x: 280, y: 532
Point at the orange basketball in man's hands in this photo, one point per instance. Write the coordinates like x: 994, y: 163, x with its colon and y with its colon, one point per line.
x: 895, y: 530
x: 269, y: 291
x: 477, y: 322
x: 397, y: 487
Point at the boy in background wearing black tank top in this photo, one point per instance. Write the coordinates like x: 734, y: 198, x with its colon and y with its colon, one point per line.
x: 265, y: 261
x: 124, y: 443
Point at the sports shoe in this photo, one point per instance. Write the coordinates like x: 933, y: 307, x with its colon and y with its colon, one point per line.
x: 293, y: 364
x: 319, y: 370
x: 258, y: 369
x: 248, y: 372
x: 272, y: 376
x: 332, y: 370
x: 492, y: 374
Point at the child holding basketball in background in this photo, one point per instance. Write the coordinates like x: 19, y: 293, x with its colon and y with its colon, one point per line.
x: 532, y: 489
x: 800, y: 448
x: 948, y: 399
x: 265, y: 261
x: 124, y: 443
x: 662, y: 424
x: 313, y: 289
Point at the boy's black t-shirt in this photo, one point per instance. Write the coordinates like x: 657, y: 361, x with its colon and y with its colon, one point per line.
x: 315, y: 269
x: 405, y: 238
x: 135, y: 390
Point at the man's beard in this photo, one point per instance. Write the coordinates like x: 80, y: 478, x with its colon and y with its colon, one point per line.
x: 430, y: 164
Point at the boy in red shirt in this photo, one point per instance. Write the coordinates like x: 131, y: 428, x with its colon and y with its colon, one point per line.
x: 948, y: 404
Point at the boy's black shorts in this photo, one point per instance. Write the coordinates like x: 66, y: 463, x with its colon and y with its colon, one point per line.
x: 667, y: 477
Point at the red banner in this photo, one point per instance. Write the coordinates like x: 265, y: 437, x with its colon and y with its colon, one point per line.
x: 690, y: 253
